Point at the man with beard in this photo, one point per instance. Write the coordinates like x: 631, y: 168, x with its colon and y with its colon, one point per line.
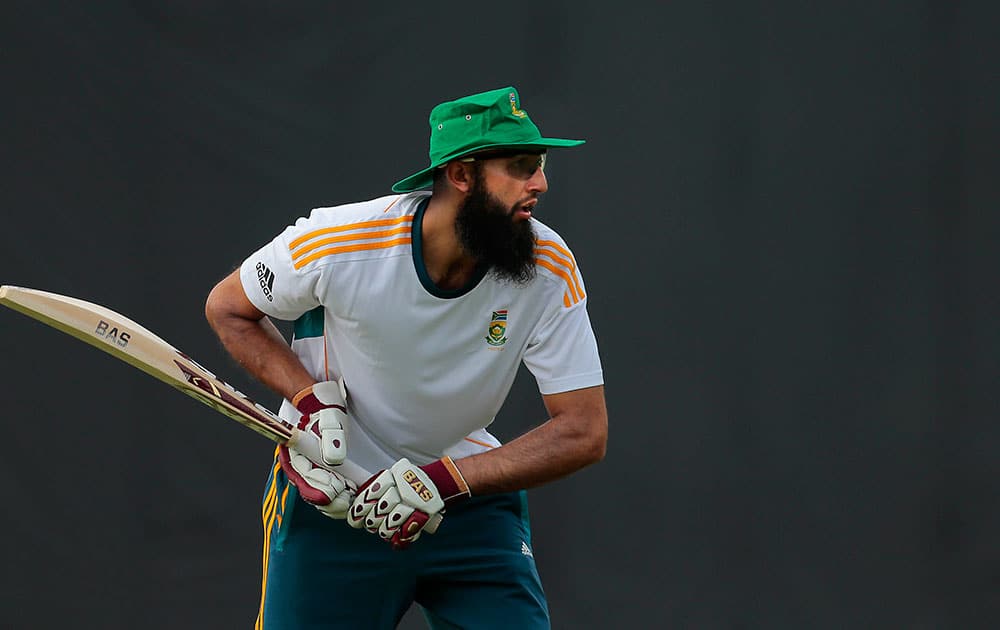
x: 412, y: 314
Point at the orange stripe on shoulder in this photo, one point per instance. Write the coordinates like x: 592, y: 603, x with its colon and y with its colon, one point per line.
x: 308, y: 236
x: 358, y: 247
x: 346, y: 238
x: 562, y: 265
x: 353, y: 237
x: 570, y: 269
x: 562, y: 273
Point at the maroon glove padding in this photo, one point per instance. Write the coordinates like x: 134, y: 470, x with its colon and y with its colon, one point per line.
x: 411, y: 528
x: 307, y: 492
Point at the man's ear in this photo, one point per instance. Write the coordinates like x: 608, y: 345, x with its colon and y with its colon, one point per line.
x: 460, y: 175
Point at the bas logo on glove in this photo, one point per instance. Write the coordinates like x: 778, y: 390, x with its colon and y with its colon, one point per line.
x: 418, y: 486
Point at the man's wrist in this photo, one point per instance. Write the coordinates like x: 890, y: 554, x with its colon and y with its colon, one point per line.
x: 320, y: 396
x: 305, y: 398
x: 448, y: 480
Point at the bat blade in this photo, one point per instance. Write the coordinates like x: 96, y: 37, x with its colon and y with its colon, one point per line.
x: 129, y: 341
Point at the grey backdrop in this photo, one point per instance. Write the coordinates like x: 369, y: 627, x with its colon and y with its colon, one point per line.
x: 785, y: 213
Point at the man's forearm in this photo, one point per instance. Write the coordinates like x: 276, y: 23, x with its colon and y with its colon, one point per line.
x: 260, y: 348
x: 572, y: 439
x: 544, y: 454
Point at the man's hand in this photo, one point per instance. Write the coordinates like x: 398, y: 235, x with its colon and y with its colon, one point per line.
x: 331, y: 493
x: 323, y: 407
x: 397, y: 503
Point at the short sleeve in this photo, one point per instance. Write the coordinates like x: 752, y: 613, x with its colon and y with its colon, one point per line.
x: 274, y: 285
x: 562, y: 354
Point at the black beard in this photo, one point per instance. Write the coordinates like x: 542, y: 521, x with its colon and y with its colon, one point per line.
x: 487, y: 231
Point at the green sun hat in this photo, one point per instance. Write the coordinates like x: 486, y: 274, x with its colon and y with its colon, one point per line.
x: 487, y: 120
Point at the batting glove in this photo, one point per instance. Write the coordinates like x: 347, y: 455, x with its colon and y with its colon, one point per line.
x: 396, y: 504
x: 323, y: 408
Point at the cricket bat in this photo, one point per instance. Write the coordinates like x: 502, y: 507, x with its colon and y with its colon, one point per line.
x: 124, y: 339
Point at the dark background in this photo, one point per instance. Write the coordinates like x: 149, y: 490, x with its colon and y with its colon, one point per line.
x: 785, y: 214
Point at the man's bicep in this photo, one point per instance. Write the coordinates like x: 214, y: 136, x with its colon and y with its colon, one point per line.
x: 582, y: 416
x: 587, y: 402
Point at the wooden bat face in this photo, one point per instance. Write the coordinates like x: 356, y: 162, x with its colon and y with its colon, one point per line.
x: 127, y: 340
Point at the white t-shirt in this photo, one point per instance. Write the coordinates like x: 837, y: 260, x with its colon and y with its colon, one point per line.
x: 426, y: 370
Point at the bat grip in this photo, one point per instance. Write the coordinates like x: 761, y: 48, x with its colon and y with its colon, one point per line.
x: 308, y: 444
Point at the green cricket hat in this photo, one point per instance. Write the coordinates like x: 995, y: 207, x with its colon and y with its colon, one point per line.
x: 488, y: 120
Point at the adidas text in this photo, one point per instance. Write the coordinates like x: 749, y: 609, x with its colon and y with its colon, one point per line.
x: 266, y: 278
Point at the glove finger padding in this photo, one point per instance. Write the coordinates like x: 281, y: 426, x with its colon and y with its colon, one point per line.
x: 410, y: 530
x: 331, y: 493
x: 403, y: 526
x: 394, y: 521
x: 368, y: 496
x: 381, y: 510
x: 331, y: 484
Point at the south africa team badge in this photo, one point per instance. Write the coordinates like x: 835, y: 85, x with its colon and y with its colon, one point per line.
x: 497, y: 329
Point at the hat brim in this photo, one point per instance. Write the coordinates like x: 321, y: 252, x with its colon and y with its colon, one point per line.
x: 424, y: 178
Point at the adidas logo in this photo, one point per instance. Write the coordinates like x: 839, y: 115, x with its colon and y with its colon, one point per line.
x: 526, y: 550
x: 266, y: 278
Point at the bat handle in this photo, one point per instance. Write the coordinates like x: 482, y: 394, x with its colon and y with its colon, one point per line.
x: 308, y: 444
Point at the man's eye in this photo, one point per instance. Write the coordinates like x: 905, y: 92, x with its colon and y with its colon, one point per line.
x: 526, y: 166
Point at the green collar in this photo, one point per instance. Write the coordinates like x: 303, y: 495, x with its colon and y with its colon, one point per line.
x: 417, y: 246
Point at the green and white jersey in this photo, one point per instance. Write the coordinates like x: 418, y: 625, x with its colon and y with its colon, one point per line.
x: 426, y: 369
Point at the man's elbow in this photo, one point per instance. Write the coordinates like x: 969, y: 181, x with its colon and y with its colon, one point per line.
x: 596, y: 441
x: 214, y: 308
x: 227, y: 305
x: 599, y: 448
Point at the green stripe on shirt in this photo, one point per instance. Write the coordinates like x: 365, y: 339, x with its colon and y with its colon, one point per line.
x: 310, y: 324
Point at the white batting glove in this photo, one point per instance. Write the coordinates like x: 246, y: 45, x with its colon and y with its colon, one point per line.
x: 396, y: 504
x: 324, y: 410
x: 329, y: 492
